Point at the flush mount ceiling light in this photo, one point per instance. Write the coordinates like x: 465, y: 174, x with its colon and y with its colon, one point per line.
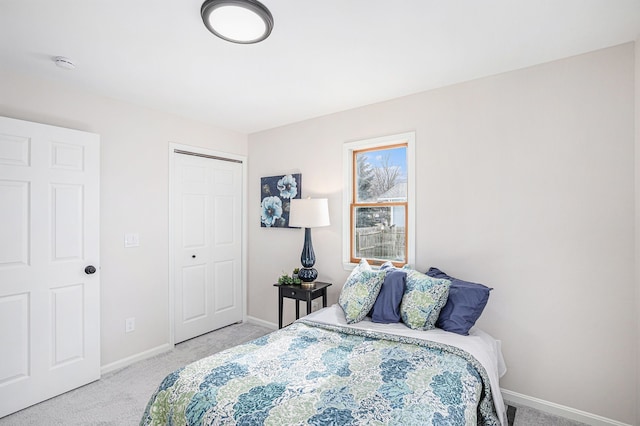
x: 237, y: 21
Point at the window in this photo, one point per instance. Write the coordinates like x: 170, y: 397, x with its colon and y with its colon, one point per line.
x: 379, y: 188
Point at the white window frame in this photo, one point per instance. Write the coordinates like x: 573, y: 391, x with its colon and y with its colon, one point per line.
x: 347, y: 163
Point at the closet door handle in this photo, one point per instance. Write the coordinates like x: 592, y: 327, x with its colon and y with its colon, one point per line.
x: 90, y: 270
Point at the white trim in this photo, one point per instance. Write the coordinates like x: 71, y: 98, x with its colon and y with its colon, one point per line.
x: 245, y: 235
x: 347, y: 173
x: 173, y: 146
x: 135, y: 358
x: 263, y: 323
x: 558, y: 410
x: 172, y: 337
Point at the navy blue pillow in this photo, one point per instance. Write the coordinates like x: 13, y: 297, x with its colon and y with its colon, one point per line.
x: 386, y: 310
x: 464, y: 306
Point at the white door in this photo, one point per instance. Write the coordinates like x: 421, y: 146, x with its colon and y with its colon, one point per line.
x: 207, y: 234
x: 49, y: 234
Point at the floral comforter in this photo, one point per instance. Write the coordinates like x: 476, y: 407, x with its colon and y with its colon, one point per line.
x: 316, y: 374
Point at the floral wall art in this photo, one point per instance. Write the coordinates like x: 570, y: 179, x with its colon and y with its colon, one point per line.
x: 276, y: 193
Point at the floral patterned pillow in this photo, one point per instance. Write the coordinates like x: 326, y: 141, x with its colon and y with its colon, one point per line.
x: 360, y: 291
x: 423, y: 299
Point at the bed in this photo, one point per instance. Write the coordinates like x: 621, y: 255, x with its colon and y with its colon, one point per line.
x: 399, y: 348
x: 322, y: 370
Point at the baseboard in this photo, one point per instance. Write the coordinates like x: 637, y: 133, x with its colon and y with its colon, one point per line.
x: 135, y: 358
x: 167, y: 347
x: 258, y: 321
x: 559, y: 410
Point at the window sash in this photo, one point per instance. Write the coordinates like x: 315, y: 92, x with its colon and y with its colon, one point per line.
x: 353, y: 255
x: 354, y: 164
x: 354, y: 258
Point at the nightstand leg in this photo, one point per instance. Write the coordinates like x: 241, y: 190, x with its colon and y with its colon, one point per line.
x: 308, y: 305
x: 297, y: 309
x: 324, y: 298
x: 280, y: 310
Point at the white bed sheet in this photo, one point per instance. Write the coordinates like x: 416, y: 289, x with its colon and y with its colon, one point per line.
x: 481, y: 345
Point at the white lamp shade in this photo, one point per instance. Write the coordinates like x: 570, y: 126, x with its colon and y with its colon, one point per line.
x: 309, y: 212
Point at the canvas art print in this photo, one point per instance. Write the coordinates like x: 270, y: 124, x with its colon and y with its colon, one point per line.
x: 276, y: 193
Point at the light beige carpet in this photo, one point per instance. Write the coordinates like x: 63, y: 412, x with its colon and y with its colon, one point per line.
x: 526, y: 416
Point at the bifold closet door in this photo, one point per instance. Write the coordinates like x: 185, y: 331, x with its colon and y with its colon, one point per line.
x: 207, y: 228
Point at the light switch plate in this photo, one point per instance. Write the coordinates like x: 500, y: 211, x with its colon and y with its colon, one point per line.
x: 131, y: 240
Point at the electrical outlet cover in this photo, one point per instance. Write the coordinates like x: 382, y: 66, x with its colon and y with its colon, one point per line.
x: 129, y: 325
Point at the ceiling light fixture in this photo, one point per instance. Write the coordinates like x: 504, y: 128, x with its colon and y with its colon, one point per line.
x: 237, y: 21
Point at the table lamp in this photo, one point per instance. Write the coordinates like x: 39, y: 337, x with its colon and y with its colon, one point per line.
x: 308, y: 213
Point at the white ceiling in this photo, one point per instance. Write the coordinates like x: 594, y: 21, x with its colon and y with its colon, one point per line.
x: 323, y: 56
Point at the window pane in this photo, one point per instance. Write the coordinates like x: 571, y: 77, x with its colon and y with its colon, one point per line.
x: 381, y: 175
x: 380, y: 233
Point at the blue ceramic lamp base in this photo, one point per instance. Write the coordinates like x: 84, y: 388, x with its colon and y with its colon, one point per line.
x: 307, y: 274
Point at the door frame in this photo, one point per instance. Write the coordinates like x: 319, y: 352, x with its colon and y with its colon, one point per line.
x: 172, y: 169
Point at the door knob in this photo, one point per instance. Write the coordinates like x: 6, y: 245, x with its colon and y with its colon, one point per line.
x: 90, y: 270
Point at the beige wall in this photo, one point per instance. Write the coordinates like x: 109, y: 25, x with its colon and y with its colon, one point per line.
x: 134, y: 198
x: 525, y: 182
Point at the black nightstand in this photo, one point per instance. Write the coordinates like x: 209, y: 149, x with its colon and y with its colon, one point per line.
x: 298, y: 293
